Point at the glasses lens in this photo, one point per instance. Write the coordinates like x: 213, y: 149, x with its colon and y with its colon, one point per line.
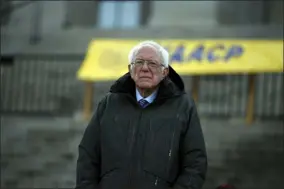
x: 150, y: 64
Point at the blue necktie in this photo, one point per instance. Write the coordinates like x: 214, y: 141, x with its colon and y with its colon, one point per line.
x: 143, y: 103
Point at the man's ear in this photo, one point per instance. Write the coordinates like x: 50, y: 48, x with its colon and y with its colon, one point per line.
x: 165, y: 72
x: 130, y: 70
x: 129, y: 67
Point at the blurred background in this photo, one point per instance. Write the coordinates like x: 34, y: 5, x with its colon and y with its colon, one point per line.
x: 43, y: 44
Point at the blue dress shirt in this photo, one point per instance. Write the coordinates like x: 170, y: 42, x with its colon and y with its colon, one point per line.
x: 149, y: 99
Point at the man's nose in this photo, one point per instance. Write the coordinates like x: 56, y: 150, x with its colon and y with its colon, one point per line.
x: 145, y: 67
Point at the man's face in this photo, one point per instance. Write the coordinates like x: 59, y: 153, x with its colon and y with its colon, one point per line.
x: 147, y: 70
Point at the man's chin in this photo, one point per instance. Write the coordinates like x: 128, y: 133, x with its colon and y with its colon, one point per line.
x: 145, y: 85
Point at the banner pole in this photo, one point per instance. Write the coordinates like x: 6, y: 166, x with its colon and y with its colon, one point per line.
x: 250, y: 99
x: 88, y: 100
x: 195, y: 87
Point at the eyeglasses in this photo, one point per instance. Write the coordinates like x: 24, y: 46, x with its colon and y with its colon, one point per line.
x: 150, y: 64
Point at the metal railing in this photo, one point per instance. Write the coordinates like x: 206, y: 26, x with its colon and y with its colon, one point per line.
x: 227, y: 95
x: 41, y: 84
x: 48, y: 84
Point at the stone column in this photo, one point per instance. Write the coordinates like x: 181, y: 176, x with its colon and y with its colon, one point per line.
x: 81, y: 13
x: 146, y: 11
x: 6, y: 9
x: 276, y: 12
x: 36, y: 22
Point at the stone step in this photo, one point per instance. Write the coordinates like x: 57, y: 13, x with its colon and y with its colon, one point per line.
x: 242, y: 178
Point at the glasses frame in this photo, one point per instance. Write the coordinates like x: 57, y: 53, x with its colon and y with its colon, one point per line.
x: 148, y: 63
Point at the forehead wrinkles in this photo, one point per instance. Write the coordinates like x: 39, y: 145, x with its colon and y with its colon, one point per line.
x: 149, y: 48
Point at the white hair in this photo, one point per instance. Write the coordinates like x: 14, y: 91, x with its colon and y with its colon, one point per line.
x: 160, y: 50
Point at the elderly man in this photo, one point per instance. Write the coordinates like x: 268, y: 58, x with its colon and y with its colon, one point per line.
x: 146, y: 132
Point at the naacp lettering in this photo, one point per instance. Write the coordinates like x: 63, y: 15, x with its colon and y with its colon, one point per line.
x: 201, y: 52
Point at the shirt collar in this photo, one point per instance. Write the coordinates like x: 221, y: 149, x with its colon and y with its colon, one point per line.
x: 149, y: 99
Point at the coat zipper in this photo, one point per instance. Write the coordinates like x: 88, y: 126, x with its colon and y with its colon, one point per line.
x: 156, y: 182
x: 170, y: 151
x: 131, y: 150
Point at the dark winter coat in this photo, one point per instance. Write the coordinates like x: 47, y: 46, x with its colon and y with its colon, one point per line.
x: 159, y: 147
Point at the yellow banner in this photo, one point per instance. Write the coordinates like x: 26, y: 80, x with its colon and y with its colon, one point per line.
x: 108, y: 59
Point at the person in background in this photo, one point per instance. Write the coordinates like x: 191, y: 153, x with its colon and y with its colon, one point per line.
x: 146, y: 132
